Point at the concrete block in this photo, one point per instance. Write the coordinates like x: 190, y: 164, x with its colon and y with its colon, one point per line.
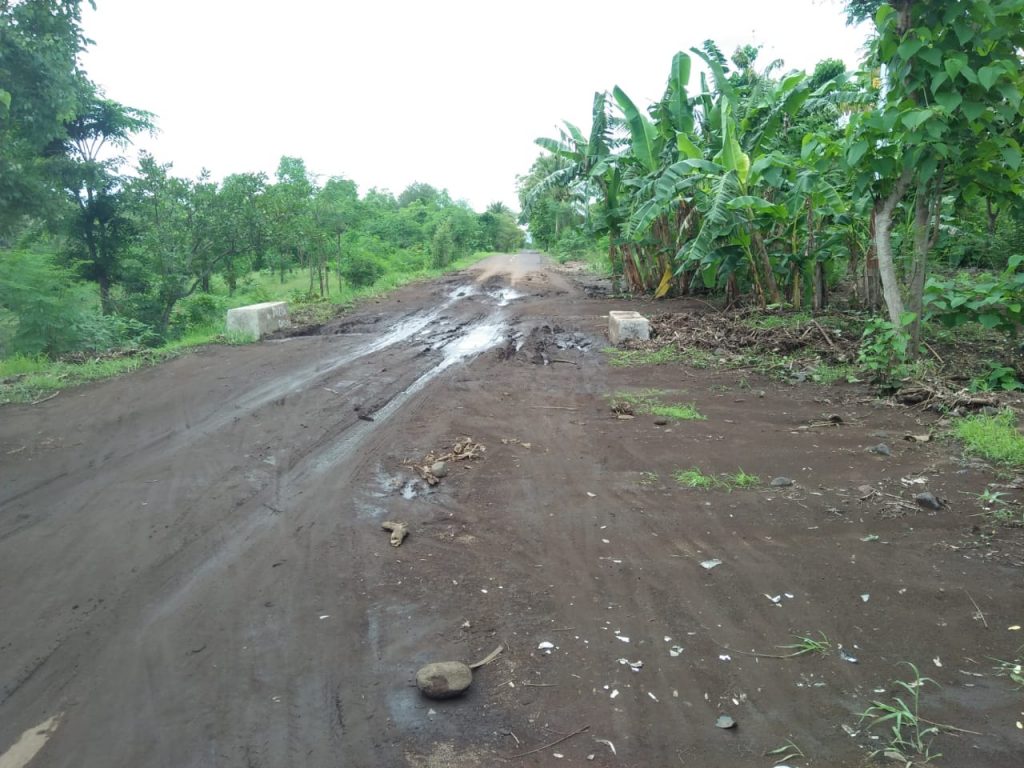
x: 257, y: 320
x: 628, y: 326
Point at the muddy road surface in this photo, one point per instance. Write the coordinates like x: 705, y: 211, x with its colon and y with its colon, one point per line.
x: 193, y: 570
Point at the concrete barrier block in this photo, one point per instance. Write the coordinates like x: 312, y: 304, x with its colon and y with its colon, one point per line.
x: 258, y: 320
x: 627, y: 326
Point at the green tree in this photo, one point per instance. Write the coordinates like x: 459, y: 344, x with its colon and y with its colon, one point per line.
x: 41, y: 89
x: 946, y: 123
x: 97, y: 230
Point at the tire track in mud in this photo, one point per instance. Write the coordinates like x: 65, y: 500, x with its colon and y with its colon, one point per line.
x: 204, y: 553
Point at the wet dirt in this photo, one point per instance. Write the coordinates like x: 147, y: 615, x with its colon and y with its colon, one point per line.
x: 192, y: 570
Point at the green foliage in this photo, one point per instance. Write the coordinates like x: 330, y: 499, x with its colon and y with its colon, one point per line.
x: 999, y: 377
x: 994, y: 301
x: 909, y: 734
x: 992, y: 437
x: 694, y: 478
x: 629, y: 358
x: 885, y: 348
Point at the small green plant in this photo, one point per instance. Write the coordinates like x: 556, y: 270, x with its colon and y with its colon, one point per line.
x: 999, y: 377
x: 694, y: 478
x: 910, y: 735
x: 884, y: 348
x: 741, y: 479
x: 649, y: 401
x: 678, y: 412
x: 992, y: 437
x: 830, y: 374
x: 628, y: 358
x: 1012, y: 669
x: 805, y: 645
x: 788, y: 751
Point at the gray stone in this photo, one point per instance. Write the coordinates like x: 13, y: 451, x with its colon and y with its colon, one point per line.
x: 444, y: 679
x: 439, y: 469
x: 624, y: 326
x: 927, y: 500
x: 881, y: 449
x: 724, y: 721
x: 782, y: 482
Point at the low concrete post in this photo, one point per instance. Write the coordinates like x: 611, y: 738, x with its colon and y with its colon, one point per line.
x: 627, y: 326
x: 258, y: 320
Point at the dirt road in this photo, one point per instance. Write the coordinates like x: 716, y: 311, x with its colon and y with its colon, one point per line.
x: 193, y: 573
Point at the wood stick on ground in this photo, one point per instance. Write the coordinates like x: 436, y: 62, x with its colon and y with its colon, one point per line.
x: 555, y: 407
x: 979, y: 615
x: 555, y: 743
x: 937, y: 355
x: 824, y: 334
x: 488, y: 658
x: 43, y: 400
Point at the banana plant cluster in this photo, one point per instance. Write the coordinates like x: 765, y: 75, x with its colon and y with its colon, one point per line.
x: 713, y: 191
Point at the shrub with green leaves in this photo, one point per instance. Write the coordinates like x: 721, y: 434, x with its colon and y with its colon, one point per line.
x: 994, y: 301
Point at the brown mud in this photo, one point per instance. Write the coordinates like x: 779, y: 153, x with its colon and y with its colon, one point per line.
x: 193, y: 570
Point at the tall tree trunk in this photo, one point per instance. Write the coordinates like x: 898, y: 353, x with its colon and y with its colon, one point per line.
x: 872, y: 285
x: 106, y: 305
x: 925, y: 201
x: 884, y: 209
x: 992, y: 214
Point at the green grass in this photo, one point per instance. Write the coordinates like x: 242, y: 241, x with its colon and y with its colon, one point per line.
x: 694, y: 478
x: 27, y: 379
x: 630, y: 358
x: 995, y: 438
x: 650, y: 401
x: 741, y: 479
x: 830, y: 374
x: 770, y: 322
x: 21, y: 365
x: 678, y: 412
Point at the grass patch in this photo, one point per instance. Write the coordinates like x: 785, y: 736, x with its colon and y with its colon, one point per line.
x: 678, y: 412
x: 694, y: 478
x: 830, y: 374
x: 782, y: 320
x: 741, y: 479
x: 628, y: 358
x: 650, y: 401
x: 992, y: 437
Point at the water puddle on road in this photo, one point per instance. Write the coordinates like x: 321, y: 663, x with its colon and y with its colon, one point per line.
x: 28, y: 746
x: 504, y: 296
x: 476, y: 340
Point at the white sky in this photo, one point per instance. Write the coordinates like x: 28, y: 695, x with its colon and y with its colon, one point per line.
x: 386, y: 93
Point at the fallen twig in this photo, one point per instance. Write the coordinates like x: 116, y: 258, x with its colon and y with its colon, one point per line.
x: 488, y: 658
x: 824, y: 335
x: 577, y: 732
x: 43, y: 400
x: 555, y: 407
x: 979, y: 614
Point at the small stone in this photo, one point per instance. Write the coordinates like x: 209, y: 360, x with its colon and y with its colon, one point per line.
x: 439, y: 469
x: 782, y: 482
x: 927, y: 500
x: 661, y: 422
x: 881, y: 449
x: 724, y: 721
x: 444, y: 679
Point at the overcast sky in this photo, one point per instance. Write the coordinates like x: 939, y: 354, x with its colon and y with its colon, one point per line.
x: 387, y: 93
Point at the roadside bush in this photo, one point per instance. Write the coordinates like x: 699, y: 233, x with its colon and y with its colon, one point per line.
x: 994, y: 301
x: 361, y: 270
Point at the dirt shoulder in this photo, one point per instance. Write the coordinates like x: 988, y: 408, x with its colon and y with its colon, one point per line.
x: 192, y: 569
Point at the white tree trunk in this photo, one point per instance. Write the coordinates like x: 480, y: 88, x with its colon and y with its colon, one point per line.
x: 884, y: 210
